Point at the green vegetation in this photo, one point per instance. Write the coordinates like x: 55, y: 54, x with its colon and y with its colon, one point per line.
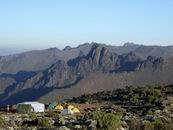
x: 32, y: 116
x: 135, y: 99
x: 146, y: 108
x: 162, y: 124
x: 158, y: 124
x: 134, y: 124
x: 106, y: 121
x: 54, y: 114
x: 44, y: 123
x: 2, y: 121
x: 147, y: 125
x: 132, y: 108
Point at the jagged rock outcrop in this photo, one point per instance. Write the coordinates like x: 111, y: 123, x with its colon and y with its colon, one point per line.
x: 98, y: 59
x: 67, y: 48
x: 153, y: 62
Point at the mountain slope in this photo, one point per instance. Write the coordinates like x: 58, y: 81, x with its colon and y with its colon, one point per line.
x: 99, y: 70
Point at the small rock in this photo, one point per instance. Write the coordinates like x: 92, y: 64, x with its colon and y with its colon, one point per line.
x: 34, y: 128
x: 10, y: 128
x: 77, y: 127
x: 93, y: 124
x: 149, y: 117
x: 63, y: 128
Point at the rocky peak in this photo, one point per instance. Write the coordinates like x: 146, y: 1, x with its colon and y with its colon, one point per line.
x: 98, y: 59
x: 53, y: 49
x: 132, y: 56
x: 67, y: 48
x: 94, y: 52
x: 129, y: 44
x: 153, y: 62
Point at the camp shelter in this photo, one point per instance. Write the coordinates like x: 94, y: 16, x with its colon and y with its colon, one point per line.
x: 59, y: 107
x: 24, y: 108
x: 35, y: 106
x: 76, y: 110
x: 67, y: 111
x: 70, y: 107
x: 52, y: 105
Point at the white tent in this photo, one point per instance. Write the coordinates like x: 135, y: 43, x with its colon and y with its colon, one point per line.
x: 67, y: 112
x: 36, y: 106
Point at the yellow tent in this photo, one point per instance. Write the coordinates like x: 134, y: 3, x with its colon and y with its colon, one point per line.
x: 70, y: 107
x: 59, y: 107
x: 75, y: 110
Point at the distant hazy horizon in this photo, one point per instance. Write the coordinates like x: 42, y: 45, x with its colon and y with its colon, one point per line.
x: 41, y: 24
x: 11, y: 51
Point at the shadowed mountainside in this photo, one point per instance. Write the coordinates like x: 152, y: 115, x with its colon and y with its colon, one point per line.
x: 99, y: 70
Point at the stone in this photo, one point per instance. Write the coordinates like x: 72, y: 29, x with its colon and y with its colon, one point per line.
x: 63, y: 128
x: 93, y: 124
x: 149, y: 117
x: 10, y: 128
x: 77, y: 127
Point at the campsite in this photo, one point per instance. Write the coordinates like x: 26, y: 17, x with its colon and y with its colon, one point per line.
x: 108, y: 110
x: 86, y: 64
x: 36, y: 115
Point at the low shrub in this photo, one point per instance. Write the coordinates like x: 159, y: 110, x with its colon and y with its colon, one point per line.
x: 2, y: 121
x: 134, y: 124
x: 44, y: 123
x: 54, y: 114
x: 147, y: 125
x: 33, y: 116
x: 106, y: 121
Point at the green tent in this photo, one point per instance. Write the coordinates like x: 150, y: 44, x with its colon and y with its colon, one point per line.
x: 24, y: 108
x: 52, y: 105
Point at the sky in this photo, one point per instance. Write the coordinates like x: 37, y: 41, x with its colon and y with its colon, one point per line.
x: 38, y: 24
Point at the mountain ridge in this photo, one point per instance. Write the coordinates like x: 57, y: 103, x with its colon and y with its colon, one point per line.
x: 68, y: 77
x: 43, y: 59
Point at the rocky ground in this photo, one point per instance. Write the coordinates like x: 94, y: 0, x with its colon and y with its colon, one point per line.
x: 98, y: 116
x: 55, y: 121
x: 44, y: 121
x: 132, y: 108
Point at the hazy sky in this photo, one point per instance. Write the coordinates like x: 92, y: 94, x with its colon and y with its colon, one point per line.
x: 37, y: 24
